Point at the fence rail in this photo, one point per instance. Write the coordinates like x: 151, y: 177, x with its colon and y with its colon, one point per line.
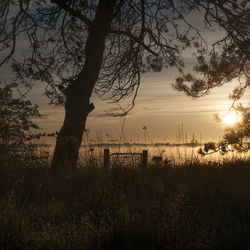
x: 107, y: 156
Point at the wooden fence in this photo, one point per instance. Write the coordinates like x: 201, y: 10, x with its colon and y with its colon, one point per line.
x: 107, y: 155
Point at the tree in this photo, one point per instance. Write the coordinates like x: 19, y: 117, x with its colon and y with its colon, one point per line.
x: 233, y: 134
x: 241, y: 129
x: 83, y: 47
x: 15, y: 121
x: 229, y: 57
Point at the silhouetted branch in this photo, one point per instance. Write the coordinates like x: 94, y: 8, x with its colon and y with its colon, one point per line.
x: 72, y: 12
x: 136, y: 39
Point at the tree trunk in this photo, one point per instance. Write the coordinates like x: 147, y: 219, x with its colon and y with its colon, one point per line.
x: 77, y: 105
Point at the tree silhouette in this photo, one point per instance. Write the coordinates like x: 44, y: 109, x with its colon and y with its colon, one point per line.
x: 229, y: 57
x: 78, y: 48
x: 15, y: 121
x: 240, y: 130
x: 233, y: 134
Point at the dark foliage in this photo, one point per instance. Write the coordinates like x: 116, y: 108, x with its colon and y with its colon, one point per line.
x: 233, y: 134
x: 16, y: 125
x: 229, y: 57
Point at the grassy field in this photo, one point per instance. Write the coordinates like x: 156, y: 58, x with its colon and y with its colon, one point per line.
x: 192, y: 206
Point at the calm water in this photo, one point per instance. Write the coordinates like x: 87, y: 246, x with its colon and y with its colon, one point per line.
x: 177, y: 154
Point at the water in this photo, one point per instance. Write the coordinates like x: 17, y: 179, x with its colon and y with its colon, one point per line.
x: 176, y: 154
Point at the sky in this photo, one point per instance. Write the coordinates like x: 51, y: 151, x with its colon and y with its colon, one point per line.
x: 158, y: 106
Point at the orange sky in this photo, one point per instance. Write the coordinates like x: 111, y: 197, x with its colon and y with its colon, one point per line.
x: 158, y: 106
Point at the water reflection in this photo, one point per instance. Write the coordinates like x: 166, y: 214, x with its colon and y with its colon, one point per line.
x: 176, y: 154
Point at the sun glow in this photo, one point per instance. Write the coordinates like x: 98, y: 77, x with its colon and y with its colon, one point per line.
x: 230, y: 118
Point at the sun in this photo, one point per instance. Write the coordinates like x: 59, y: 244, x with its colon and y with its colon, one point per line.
x: 230, y: 118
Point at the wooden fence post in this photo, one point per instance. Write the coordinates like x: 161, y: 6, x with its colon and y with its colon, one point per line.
x: 144, y: 158
x: 106, y: 158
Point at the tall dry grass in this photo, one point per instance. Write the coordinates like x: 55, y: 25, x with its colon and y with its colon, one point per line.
x: 193, y: 206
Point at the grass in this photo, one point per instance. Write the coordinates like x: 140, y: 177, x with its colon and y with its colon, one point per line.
x: 194, y: 206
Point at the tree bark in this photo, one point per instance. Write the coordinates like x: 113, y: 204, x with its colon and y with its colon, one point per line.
x: 77, y: 105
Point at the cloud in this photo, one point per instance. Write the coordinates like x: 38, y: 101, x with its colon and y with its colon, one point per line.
x: 99, y: 115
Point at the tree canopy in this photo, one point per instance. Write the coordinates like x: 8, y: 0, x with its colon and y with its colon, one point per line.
x: 144, y: 35
x: 229, y: 57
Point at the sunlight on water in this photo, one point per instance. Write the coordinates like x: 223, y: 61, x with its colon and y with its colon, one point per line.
x: 176, y: 154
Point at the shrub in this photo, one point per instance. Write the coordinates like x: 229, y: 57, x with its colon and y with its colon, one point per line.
x: 15, y: 122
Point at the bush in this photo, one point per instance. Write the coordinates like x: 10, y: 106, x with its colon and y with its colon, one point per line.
x: 15, y: 123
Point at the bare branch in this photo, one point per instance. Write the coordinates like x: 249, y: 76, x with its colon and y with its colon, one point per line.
x: 72, y: 12
x: 134, y: 38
